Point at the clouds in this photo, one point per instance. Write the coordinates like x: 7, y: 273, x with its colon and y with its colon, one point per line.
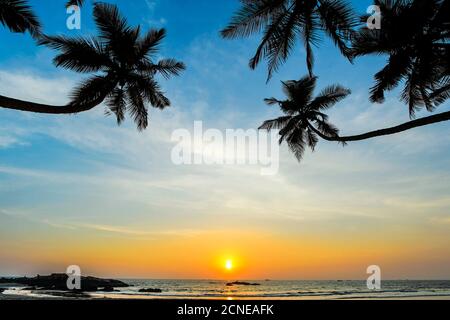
x: 150, y: 19
x: 132, y: 168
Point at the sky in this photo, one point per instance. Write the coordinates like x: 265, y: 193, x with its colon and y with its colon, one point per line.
x: 80, y: 190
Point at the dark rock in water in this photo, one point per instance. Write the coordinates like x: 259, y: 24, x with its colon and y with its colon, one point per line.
x: 2, y: 289
x: 150, y: 290
x: 58, y: 281
x: 242, y: 283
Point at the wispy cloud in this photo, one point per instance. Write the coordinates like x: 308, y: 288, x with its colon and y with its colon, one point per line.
x: 151, y: 18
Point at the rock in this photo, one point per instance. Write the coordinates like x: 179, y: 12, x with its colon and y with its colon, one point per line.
x: 150, y: 290
x: 2, y: 289
x: 58, y: 281
x: 241, y: 283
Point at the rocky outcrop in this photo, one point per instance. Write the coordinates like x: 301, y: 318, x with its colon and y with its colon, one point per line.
x: 58, y: 281
x: 150, y: 290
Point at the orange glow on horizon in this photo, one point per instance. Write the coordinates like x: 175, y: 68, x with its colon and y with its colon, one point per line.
x: 224, y: 255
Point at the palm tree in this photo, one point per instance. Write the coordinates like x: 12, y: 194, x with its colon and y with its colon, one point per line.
x: 123, y: 65
x: 18, y: 16
x: 415, y: 36
x: 286, y: 21
x: 304, y: 118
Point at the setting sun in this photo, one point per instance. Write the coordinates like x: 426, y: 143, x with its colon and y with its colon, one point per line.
x: 229, y: 265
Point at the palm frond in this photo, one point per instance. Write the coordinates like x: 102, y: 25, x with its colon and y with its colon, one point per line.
x: 109, y: 21
x: 150, y: 43
x: 81, y: 54
x: 311, y: 139
x: 329, y: 97
x: 294, y: 123
x: 18, y: 16
x: 117, y: 104
x: 166, y: 67
x: 327, y: 128
x: 278, y: 123
x: 296, y: 143
x: 440, y: 95
x: 389, y: 77
x: 252, y: 17
x: 92, y: 91
x: 338, y: 21
x: 310, y: 38
x: 269, y: 39
x: 282, y: 41
x: 137, y: 108
x: 300, y: 91
x: 150, y: 90
x: 272, y: 101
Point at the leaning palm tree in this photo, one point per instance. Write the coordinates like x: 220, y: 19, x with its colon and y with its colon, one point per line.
x: 305, y: 119
x: 415, y: 36
x: 18, y: 16
x: 304, y: 116
x: 283, y: 22
x: 123, y: 65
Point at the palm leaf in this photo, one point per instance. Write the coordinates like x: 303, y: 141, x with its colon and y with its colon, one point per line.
x: 18, y: 16
x: 252, y: 17
x: 329, y: 97
x: 137, y: 107
x: 117, y: 104
x: 80, y: 54
x: 278, y: 123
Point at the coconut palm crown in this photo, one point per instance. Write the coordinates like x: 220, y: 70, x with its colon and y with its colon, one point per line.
x: 123, y: 63
x: 304, y: 120
x: 284, y: 22
x: 415, y: 35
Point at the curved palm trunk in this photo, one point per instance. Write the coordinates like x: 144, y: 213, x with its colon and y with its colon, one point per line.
x: 16, y: 104
x: 445, y: 116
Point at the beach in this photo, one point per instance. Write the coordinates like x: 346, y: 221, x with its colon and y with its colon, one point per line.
x: 251, y: 290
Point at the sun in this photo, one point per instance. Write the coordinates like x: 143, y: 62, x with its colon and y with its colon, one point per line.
x: 229, y: 264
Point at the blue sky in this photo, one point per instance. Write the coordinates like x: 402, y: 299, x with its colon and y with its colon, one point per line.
x: 66, y: 176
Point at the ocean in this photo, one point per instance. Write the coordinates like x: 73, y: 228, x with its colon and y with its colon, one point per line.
x: 269, y: 289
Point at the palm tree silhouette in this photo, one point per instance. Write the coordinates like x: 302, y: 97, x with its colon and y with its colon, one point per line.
x: 18, y: 16
x: 415, y: 35
x: 285, y: 21
x: 304, y: 118
x: 124, y: 67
